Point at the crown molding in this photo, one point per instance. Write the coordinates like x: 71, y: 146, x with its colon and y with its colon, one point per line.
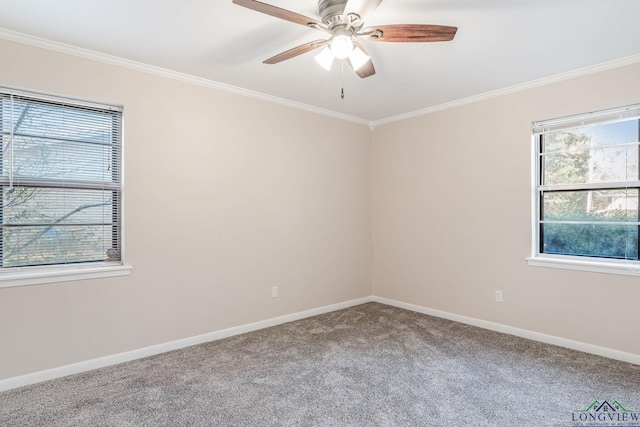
x: 592, y: 69
x: 163, y: 72
x: 372, y: 124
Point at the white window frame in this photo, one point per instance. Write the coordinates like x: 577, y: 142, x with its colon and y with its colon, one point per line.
x: 592, y: 264
x: 34, y: 275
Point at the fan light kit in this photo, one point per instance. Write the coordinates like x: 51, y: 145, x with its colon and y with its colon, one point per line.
x: 344, y: 21
x: 341, y: 43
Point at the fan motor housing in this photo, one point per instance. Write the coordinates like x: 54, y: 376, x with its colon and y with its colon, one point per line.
x: 331, y: 11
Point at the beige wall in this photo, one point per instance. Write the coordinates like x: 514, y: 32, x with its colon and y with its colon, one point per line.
x: 452, y: 215
x: 226, y: 196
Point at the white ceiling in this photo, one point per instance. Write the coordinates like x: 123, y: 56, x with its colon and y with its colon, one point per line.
x: 500, y: 43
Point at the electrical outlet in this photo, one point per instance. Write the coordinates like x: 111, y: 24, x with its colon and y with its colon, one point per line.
x: 274, y: 292
x: 498, y: 296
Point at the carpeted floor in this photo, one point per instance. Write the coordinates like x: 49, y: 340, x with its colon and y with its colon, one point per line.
x: 370, y: 365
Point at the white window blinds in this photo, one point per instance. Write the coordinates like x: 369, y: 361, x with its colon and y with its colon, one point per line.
x: 61, y: 181
x: 587, y: 119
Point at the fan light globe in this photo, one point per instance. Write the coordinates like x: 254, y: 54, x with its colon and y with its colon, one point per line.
x: 325, y: 58
x: 341, y: 46
x: 358, y: 58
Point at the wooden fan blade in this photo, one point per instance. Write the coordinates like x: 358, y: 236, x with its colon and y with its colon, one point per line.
x: 413, y: 33
x: 367, y: 69
x: 278, y: 12
x: 362, y: 8
x: 298, y: 50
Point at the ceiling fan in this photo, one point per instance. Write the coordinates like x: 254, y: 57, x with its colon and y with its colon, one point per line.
x: 344, y: 21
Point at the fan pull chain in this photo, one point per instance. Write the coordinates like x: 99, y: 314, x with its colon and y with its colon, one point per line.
x: 342, y: 80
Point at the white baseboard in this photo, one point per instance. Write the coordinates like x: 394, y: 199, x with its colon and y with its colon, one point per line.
x: 523, y: 333
x: 88, y: 365
x: 76, y: 368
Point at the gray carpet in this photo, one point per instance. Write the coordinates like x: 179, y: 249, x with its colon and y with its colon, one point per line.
x: 370, y: 365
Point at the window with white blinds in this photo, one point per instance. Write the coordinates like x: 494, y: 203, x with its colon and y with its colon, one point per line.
x: 587, y: 173
x: 61, y: 182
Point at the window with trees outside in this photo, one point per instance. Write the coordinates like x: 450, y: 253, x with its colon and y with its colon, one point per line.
x: 61, y: 182
x: 587, y: 186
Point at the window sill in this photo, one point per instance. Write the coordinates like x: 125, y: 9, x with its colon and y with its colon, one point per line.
x: 65, y: 274
x: 611, y: 267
